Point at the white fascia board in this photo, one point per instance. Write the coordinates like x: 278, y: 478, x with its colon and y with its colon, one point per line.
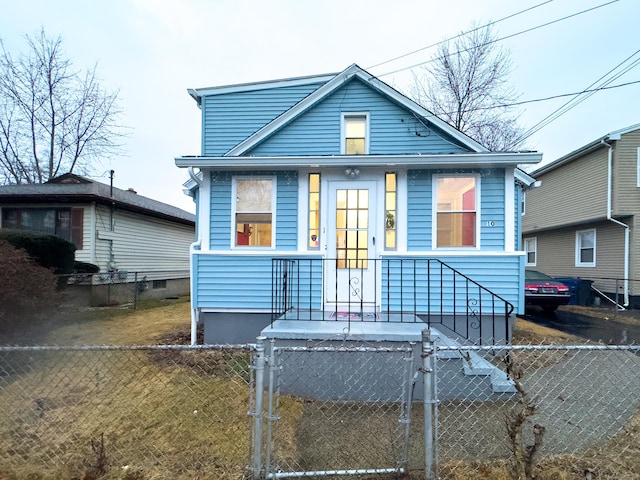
x: 524, y: 178
x: 479, y: 160
x: 198, y: 93
x: 336, y: 82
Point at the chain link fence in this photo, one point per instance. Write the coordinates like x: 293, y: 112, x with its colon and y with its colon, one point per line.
x: 85, y: 291
x: 338, y: 410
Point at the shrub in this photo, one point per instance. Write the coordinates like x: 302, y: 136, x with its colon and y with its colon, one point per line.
x: 26, y: 288
x: 48, y: 251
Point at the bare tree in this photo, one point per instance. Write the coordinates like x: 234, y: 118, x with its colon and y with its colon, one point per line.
x: 53, y: 120
x: 467, y: 85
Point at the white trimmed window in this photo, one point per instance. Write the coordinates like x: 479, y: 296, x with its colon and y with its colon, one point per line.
x: 313, y: 237
x: 456, y: 210
x: 253, y: 211
x: 586, y: 248
x: 354, y: 137
x: 531, y: 251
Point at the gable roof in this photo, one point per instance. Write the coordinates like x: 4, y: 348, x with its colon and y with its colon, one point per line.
x: 585, y: 149
x: 71, y: 188
x: 328, y: 88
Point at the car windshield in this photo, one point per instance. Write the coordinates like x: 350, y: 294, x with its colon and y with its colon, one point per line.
x: 535, y: 275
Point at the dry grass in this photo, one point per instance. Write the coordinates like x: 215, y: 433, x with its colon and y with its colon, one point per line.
x: 153, y: 414
x: 529, y: 333
x: 63, y: 402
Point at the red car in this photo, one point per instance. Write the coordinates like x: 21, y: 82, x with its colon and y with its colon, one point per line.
x: 544, y: 291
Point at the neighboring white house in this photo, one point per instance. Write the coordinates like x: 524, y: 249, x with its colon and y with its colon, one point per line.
x: 117, y: 230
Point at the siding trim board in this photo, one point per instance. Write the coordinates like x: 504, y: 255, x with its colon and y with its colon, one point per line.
x: 456, y: 160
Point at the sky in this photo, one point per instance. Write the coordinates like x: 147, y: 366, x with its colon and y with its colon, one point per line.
x: 152, y: 51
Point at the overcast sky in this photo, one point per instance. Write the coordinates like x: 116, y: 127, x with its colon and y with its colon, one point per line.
x: 154, y: 50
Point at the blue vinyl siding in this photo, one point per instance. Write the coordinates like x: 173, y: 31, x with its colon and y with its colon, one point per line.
x: 393, y: 130
x: 492, y: 220
x: 419, y: 206
x: 244, y: 282
x: 498, y: 274
x: 230, y: 118
x: 286, y: 214
x: 227, y: 282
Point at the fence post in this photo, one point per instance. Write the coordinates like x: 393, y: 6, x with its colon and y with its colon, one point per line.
x: 430, y: 405
x: 259, y: 408
x: 135, y: 291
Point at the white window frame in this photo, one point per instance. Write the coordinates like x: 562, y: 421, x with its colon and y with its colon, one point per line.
x: 579, y: 263
x: 527, y: 243
x: 434, y: 211
x: 234, y: 196
x: 343, y: 130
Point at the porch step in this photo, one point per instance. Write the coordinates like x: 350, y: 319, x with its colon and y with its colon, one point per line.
x: 474, y: 365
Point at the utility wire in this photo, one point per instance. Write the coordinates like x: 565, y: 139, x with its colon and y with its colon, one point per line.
x: 459, y: 35
x: 553, y: 97
x: 503, y: 38
x: 584, y: 95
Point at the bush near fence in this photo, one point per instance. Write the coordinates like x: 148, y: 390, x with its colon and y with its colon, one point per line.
x: 181, y: 412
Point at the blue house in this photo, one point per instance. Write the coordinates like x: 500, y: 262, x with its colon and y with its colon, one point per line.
x: 334, y: 199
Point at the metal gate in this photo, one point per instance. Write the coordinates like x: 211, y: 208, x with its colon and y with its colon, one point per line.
x: 350, y: 404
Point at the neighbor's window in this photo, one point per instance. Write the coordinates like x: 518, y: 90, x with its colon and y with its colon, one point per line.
x: 254, y: 212
x: 531, y: 250
x: 65, y: 223
x: 586, y: 248
x: 354, y: 138
x: 456, y: 211
x: 390, y: 210
x: 314, y: 210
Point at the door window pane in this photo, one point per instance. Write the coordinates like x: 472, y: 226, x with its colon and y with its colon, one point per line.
x: 352, y: 223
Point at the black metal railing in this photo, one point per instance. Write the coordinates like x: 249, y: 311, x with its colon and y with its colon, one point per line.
x: 388, y: 290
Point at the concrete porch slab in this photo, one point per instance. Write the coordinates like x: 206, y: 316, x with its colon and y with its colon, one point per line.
x: 342, y: 330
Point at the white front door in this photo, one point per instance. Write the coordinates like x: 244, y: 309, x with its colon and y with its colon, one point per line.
x: 350, y: 272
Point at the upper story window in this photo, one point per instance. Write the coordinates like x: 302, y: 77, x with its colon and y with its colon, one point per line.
x: 456, y: 210
x: 355, y: 129
x: 586, y: 248
x: 65, y: 223
x: 531, y: 250
x: 254, y: 212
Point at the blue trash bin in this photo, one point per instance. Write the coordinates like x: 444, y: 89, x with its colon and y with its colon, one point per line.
x: 573, y: 284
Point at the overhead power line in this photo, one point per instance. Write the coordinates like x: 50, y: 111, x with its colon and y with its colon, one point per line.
x: 603, y: 82
x: 503, y: 38
x: 459, y: 35
x: 553, y: 97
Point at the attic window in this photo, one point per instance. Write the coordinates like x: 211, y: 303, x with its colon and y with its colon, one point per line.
x: 355, y: 127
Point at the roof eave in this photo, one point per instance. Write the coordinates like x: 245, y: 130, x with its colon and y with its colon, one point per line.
x: 429, y: 161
